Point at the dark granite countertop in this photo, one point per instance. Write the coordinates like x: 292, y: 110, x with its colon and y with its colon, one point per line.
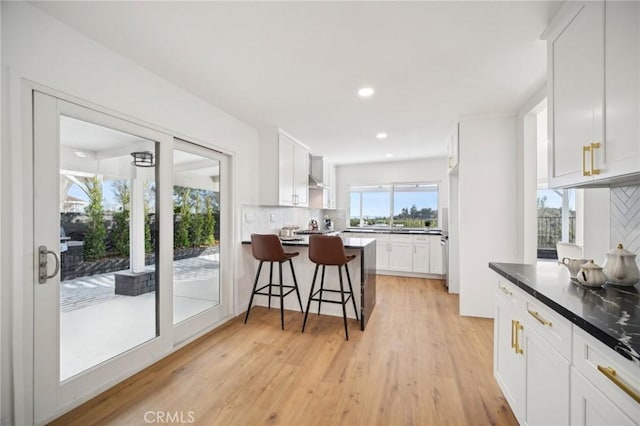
x: 611, y: 313
x: 303, y: 241
x: 410, y: 231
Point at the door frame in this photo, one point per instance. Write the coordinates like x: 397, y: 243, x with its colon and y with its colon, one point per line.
x: 52, y: 397
x: 20, y: 264
x: 203, y: 322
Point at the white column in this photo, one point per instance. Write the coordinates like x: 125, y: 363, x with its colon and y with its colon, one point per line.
x: 565, y: 215
x: 136, y: 230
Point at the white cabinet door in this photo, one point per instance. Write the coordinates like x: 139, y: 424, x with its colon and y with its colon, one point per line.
x: 435, y: 255
x: 547, y: 382
x: 401, y: 256
x: 576, y: 96
x: 333, y: 187
x: 590, y: 407
x: 382, y: 252
x: 622, y: 88
x: 508, y: 365
x: 421, y: 257
x: 285, y: 170
x: 300, y: 176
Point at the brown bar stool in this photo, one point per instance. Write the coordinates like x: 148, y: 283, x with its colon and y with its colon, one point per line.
x: 268, y: 248
x: 329, y: 251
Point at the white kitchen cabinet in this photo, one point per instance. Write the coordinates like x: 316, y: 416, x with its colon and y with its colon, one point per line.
x: 508, y: 364
x: 400, y: 253
x: 547, y: 391
x: 382, y: 251
x: 605, y: 386
x: 532, y: 374
x: 283, y: 170
x: 421, y: 257
x: 594, y: 94
x: 435, y: 255
x: 590, y: 407
x: 576, y: 93
x: 329, y: 179
x: 621, y: 150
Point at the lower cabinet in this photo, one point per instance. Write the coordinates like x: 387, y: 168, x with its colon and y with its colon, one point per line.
x: 551, y: 372
x: 400, y: 254
x: 590, y: 407
x: 532, y: 374
x: 547, y: 382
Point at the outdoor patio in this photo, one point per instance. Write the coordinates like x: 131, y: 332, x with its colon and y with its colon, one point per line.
x: 96, y: 324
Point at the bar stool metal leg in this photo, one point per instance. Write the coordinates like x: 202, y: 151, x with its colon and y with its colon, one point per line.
x: 313, y: 284
x: 355, y: 309
x: 281, y: 298
x: 344, y: 308
x: 255, y: 284
x: 295, y: 284
x: 321, y: 289
x: 270, y: 281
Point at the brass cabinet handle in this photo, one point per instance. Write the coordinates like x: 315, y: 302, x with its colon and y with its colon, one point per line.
x: 585, y: 149
x: 613, y: 376
x: 504, y: 290
x: 593, y: 147
x: 537, y: 316
x: 519, y: 327
x: 513, y: 331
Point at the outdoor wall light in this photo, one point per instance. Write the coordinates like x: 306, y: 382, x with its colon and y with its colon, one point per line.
x: 143, y: 159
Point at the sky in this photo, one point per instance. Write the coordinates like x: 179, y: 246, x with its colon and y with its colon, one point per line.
x: 376, y: 204
x: 555, y: 200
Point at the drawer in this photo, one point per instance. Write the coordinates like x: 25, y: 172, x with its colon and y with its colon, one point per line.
x: 551, y: 326
x: 420, y: 238
x: 510, y: 293
x: 615, y: 376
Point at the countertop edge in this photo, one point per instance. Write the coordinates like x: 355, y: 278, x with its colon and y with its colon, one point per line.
x: 612, y: 342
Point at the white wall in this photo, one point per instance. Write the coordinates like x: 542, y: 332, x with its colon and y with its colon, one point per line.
x: 38, y: 48
x: 488, y: 215
x: 422, y: 170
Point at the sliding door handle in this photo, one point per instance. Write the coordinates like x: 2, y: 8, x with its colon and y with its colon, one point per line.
x: 43, y: 262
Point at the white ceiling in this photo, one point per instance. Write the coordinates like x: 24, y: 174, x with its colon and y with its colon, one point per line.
x: 298, y: 65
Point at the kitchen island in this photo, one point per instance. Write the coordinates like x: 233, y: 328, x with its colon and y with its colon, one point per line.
x: 611, y: 314
x: 563, y: 353
x: 362, y: 270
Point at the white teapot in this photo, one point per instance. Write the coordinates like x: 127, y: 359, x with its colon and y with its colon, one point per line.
x: 620, y: 267
x: 591, y: 275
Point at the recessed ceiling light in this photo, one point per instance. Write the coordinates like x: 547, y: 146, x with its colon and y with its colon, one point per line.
x: 389, y: 155
x: 365, y: 92
x: 381, y: 135
x: 81, y: 154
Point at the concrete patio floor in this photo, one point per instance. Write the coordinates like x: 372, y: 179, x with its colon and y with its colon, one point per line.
x: 96, y: 324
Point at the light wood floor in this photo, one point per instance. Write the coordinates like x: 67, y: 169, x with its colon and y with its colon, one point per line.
x: 417, y: 363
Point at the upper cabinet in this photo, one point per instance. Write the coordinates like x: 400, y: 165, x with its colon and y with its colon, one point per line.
x: 593, y: 81
x: 329, y: 193
x: 452, y: 149
x: 284, y: 170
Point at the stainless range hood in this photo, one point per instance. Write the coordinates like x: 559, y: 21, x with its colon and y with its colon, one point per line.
x: 316, y: 173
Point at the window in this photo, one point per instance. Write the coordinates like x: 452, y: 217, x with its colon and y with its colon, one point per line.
x: 556, y: 219
x: 413, y: 205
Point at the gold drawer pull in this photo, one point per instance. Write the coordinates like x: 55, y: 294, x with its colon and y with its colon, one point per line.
x: 613, y: 376
x: 594, y: 146
x: 585, y: 149
x: 513, y: 332
x: 542, y: 321
x: 519, y: 327
x: 504, y: 290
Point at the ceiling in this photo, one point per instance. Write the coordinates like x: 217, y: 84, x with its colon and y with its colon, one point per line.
x: 298, y: 65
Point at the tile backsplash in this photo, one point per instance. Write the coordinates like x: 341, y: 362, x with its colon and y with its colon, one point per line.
x: 269, y: 219
x: 625, y: 217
